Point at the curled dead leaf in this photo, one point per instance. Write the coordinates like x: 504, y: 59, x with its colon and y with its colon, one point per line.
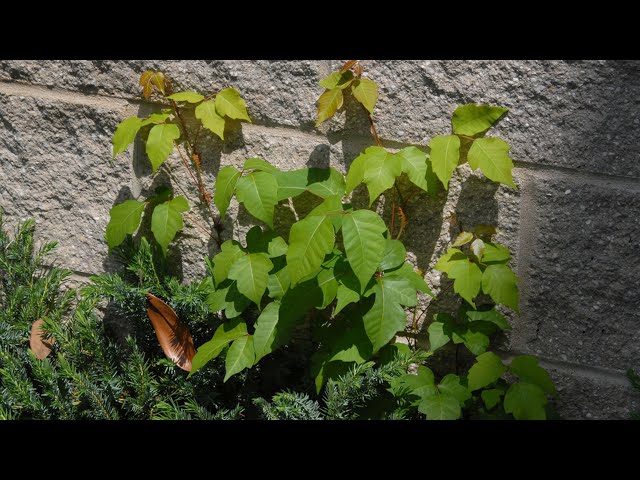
x: 173, y: 335
x: 39, y: 344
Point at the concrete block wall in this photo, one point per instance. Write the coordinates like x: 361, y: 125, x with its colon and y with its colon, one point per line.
x: 573, y: 224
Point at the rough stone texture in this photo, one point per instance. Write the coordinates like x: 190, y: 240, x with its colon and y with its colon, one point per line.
x: 582, y: 278
x: 278, y: 92
x: 54, y: 167
x: 572, y: 224
x: 592, y: 395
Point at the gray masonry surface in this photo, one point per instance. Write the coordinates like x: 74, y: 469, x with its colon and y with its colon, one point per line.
x: 573, y: 224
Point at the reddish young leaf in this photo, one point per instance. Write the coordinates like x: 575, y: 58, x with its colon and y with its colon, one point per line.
x: 348, y: 65
x: 173, y: 335
x: 40, y: 347
x: 149, y: 79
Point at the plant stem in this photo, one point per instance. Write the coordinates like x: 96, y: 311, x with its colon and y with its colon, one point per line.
x: 393, y: 217
x: 204, y: 195
x: 374, y: 132
x: 186, y: 164
x: 192, y: 220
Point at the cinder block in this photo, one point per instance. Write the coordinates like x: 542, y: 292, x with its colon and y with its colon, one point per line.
x: 54, y: 167
x: 581, y: 267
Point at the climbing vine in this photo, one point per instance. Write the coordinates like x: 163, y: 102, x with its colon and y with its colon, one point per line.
x: 339, y: 267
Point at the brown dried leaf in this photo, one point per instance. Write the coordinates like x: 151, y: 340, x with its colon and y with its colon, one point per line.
x: 40, y: 347
x: 173, y: 335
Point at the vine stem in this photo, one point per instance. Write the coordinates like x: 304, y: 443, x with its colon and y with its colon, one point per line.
x: 204, y: 195
x: 192, y: 220
x: 374, y: 132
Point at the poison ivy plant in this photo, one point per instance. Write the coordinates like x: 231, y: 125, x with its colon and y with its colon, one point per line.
x: 166, y: 132
x: 341, y: 269
x: 490, y: 155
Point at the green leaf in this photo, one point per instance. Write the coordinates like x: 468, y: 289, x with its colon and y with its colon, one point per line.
x: 265, y: 333
x: 225, y: 334
x: 440, y: 406
x: 364, y: 243
x: 446, y: 261
x: 189, y: 97
x: 475, y: 120
x: 491, y: 155
x: 155, y: 118
x: 252, y: 274
x: 440, y: 331
x: 476, y: 342
x: 467, y: 278
x: 230, y: 103
x: 401, y: 289
x: 495, y: 253
x: 166, y: 221
x: 437, y: 336
x: 310, y: 240
x: 489, y: 316
x: 325, y: 182
x: 385, y: 318
x: 421, y: 384
x: 161, y: 195
x: 355, y: 175
x: 225, y: 186
x: 241, y: 355
x: 380, y: 173
x: 485, y: 231
x: 525, y: 401
x: 477, y: 247
x: 230, y: 251
x: 351, y: 345
x: 294, y: 305
x: 499, y: 282
x: 160, y: 143
x: 416, y: 280
x: 366, y: 92
x: 328, y: 104
x: 451, y: 385
x: 207, y: 114
x: 330, y: 206
x: 279, y: 283
x: 328, y: 284
x: 491, y: 397
x: 291, y: 183
x: 258, y: 192
x: 229, y: 299
x: 414, y: 164
x: 337, y: 80
x: 487, y: 369
x: 345, y: 296
x: 394, y: 254
x: 445, y: 155
x: 526, y: 367
x: 462, y: 239
x: 268, y: 242
x: 125, y: 219
x: 259, y: 164
x: 125, y: 134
